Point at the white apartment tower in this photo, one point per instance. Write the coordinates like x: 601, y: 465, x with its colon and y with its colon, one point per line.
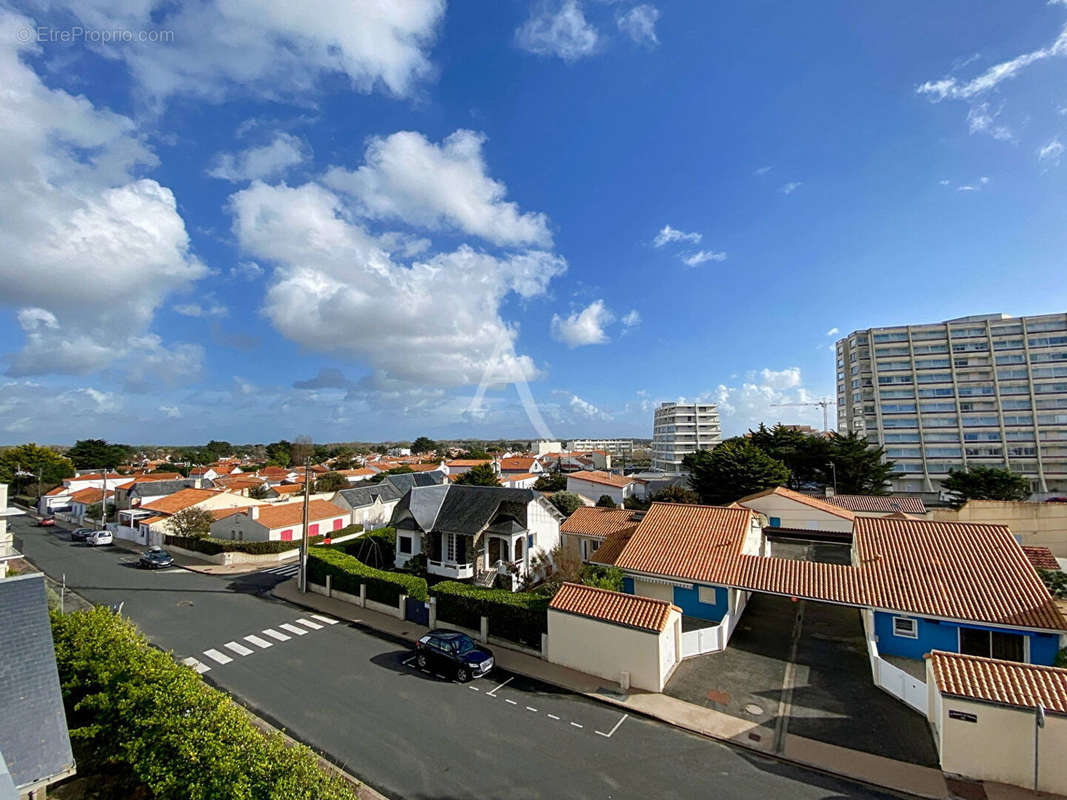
x: 987, y: 390
x: 682, y: 428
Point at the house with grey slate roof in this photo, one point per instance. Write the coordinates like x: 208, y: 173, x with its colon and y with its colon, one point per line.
x: 34, y: 744
x: 476, y: 532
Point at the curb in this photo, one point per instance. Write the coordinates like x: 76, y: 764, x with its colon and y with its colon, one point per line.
x: 651, y: 715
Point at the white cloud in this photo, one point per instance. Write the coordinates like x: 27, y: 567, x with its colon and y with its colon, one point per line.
x: 170, y: 412
x: 583, y: 327
x: 113, y: 246
x: 639, y: 23
x: 832, y: 332
x: 246, y: 271
x: 331, y: 278
x: 762, y: 170
x: 945, y: 182
x: 1050, y: 153
x: 267, y: 161
x: 586, y: 409
x: 558, y: 30
x: 788, y: 378
x: 702, y: 256
x: 198, y: 310
x: 274, y: 48
x: 632, y: 319
x: 966, y: 188
x: 789, y: 188
x: 668, y: 234
x: 408, y: 178
x: 951, y: 88
x: 981, y: 120
x: 755, y: 400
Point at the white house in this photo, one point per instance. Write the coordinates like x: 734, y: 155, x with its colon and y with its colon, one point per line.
x: 476, y: 531
x: 593, y: 484
x: 370, y: 506
x: 785, y: 508
x: 272, y: 523
x: 520, y: 465
x: 82, y: 501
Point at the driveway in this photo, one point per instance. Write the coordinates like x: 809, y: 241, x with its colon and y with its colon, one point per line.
x: 833, y: 699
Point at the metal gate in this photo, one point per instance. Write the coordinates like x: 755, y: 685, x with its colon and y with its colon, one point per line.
x: 416, y: 611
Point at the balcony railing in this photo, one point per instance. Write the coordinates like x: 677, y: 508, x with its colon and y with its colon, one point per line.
x: 451, y: 569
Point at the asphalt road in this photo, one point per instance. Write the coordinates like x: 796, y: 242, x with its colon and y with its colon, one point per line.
x: 358, y: 698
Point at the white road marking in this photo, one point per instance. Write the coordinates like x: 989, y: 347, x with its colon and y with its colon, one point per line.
x: 215, y: 655
x: 510, y: 701
x: 474, y: 688
x: 576, y: 725
x: 258, y: 641
x: 617, y: 724
x: 439, y: 675
x: 273, y: 634
x: 196, y: 665
x: 499, y: 687
x: 321, y: 618
x: 240, y: 649
x: 528, y: 708
x: 293, y: 629
x: 173, y: 570
x: 553, y: 716
x: 313, y: 625
x: 408, y: 662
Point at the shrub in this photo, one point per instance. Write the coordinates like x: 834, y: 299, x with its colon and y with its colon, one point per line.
x: 211, y: 546
x: 150, y: 727
x: 605, y: 501
x: 1055, y: 581
x: 566, y: 502
x: 518, y: 616
x: 348, y: 572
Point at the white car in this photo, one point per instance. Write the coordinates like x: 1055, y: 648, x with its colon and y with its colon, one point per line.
x: 99, y: 537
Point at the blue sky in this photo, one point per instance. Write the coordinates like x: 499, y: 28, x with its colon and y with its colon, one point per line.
x: 503, y: 219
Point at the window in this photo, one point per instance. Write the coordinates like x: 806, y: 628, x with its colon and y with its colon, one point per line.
x: 993, y: 644
x: 404, y: 543
x: 908, y: 628
x: 518, y: 549
x: 706, y: 595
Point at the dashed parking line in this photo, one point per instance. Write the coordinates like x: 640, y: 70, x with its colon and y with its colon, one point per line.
x: 512, y: 702
x: 273, y: 634
x: 474, y: 688
x: 216, y: 656
x: 528, y: 708
x: 576, y: 725
x: 240, y: 649
x: 617, y: 724
x: 552, y: 716
x: 499, y: 687
x: 258, y: 641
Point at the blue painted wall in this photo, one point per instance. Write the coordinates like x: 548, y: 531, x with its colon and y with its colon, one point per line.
x: 628, y: 585
x: 935, y: 635
x: 689, y: 601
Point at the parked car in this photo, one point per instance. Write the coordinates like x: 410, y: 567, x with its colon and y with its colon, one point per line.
x: 46, y: 522
x: 155, y: 558
x: 453, y: 652
x: 99, y: 537
x: 80, y: 534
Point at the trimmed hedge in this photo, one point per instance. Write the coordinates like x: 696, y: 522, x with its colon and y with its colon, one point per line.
x: 212, y: 546
x: 348, y: 572
x: 143, y: 725
x: 517, y: 616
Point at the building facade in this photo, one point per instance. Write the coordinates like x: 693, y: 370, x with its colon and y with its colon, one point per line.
x: 987, y: 390
x: 679, y: 429
x: 614, y: 447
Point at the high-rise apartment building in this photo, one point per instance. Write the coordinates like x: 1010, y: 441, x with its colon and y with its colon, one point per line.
x: 613, y: 447
x: 987, y: 390
x: 679, y: 429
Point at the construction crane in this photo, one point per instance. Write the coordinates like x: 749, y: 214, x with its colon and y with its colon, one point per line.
x: 824, y: 404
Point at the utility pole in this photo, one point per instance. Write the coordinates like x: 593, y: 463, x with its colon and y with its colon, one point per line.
x: 304, y: 534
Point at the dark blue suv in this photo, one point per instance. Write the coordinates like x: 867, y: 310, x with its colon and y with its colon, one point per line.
x: 454, y: 652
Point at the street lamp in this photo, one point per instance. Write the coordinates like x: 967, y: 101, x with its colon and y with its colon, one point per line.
x: 833, y: 468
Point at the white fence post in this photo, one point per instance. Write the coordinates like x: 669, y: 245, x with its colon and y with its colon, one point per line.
x: 329, y: 585
x: 544, y: 646
x: 402, y: 609
x: 363, y: 595
x: 484, y: 631
x: 433, y: 612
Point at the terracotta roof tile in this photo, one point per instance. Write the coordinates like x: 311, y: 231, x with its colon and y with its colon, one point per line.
x: 632, y: 611
x: 605, y: 478
x: 611, y: 548
x: 1005, y: 682
x: 468, y: 462
x: 173, y: 503
x: 813, y: 502
x: 600, y: 522
x: 517, y: 463
x: 870, y: 502
x: 1041, y: 557
x: 89, y: 496
x: 287, y: 488
x: 279, y: 516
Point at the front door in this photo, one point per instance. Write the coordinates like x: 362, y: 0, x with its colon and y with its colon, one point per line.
x: 494, y: 550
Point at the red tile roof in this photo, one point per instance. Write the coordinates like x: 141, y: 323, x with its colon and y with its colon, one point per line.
x: 611, y: 548
x: 279, y: 516
x: 813, y: 502
x: 600, y: 522
x: 468, y: 462
x: 517, y: 463
x: 521, y: 477
x: 605, y: 478
x: 632, y: 611
x: 89, y: 496
x: 1005, y: 682
x: 173, y: 503
x: 870, y: 502
x: 1041, y: 557
x: 287, y: 488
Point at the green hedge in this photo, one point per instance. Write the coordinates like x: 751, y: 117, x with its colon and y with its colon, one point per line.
x: 211, y: 546
x: 348, y: 572
x: 144, y: 726
x: 517, y: 616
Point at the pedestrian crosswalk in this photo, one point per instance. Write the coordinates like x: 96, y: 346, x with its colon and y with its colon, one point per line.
x: 285, y: 570
x: 229, y: 651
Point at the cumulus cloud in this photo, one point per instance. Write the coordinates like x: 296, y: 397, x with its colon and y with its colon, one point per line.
x: 756, y: 399
x: 558, y: 30
x: 201, y: 310
x: 328, y: 378
x: 331, y: 275
x: 1051, y: 152
x: 584, y: 408
x: 703, y: 256
x: 113, y: 246
x: 583, y: 327
x: 276, y: 49
x: 639, y: 23
x: 406, y: 177
x: 263, y: 162
x: 668, y: 234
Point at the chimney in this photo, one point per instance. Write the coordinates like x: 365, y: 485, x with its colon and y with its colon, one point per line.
x: 253, y: 512
x: 198, y: 484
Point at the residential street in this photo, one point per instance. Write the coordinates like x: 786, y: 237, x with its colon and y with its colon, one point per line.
x: 409, y: 734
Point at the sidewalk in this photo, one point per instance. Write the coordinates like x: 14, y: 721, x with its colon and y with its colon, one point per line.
x: 874, y: 770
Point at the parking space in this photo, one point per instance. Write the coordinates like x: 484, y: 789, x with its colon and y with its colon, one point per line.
x: 830, y: 696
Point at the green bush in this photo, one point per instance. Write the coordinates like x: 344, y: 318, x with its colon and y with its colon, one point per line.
x: 211, y: 546
x: 149, y: 727
x: 517, y: 616
x: 348, y: 572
